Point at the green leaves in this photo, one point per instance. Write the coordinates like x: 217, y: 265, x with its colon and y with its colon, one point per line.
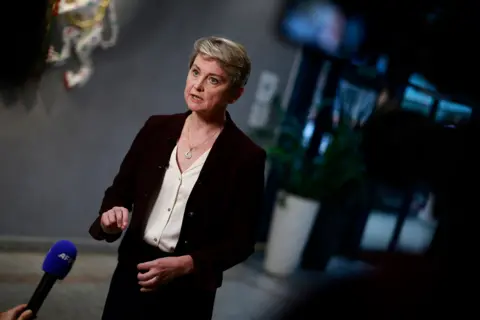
x: 321, y: 178
x: 325, y: 176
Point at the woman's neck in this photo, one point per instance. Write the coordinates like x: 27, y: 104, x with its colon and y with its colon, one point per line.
x: 200, y: 122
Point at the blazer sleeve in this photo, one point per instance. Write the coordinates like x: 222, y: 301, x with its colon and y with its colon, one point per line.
x: 121, y: 192
x: 239, y: 242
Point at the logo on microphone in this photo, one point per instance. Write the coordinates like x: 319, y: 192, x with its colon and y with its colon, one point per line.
x: 65, y: 257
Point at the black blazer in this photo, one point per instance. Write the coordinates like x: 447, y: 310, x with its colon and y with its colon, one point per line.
x: 219, y: 224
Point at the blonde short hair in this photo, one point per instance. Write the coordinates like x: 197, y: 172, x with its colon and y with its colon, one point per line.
x: 232, y: 57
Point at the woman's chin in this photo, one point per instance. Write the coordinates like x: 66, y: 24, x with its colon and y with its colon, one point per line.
x: 194, y: 106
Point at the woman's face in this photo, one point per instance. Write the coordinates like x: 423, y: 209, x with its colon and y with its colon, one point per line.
x: 208, y: 87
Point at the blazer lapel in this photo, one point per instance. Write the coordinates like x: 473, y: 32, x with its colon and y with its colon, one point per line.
x: 218, y: 157
x: 166, y: 139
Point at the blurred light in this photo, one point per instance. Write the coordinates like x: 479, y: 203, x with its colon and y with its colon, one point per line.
x: 324, y: 26
x: 382, y: 64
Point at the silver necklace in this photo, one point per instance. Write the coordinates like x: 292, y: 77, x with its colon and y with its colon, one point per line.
x: 189, y: 153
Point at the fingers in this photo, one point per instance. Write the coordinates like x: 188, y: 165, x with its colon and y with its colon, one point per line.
x: 111, y: 219
x: 147, y: 275
x: 122, y: 218
x: 105, y: 219
x: 14, y: 313
x: 146, y: 265
x: 115, y: 219
x: 25, y: 315
x: 118, y: 217
x: 154, y: 283
x: 125, y: 219
x: 149, y: 284
x: 18, y: 309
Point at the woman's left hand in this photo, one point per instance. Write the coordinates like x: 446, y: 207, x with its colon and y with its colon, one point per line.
x: 161, y: 271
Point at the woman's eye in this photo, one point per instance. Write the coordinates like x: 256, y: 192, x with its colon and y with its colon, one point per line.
x: 214, y: 81
x: 195, y: 72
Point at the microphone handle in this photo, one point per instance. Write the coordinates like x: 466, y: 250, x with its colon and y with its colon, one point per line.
x: 41, y: 293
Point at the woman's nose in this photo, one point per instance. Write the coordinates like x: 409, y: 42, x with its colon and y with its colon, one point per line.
x: 198, y: 85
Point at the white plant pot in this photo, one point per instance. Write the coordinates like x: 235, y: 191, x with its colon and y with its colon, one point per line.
x: 290, y: 228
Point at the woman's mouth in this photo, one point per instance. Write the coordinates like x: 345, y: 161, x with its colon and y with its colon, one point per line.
x: 195, y: 97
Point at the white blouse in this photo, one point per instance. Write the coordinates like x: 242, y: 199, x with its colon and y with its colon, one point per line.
x: 166, y: 219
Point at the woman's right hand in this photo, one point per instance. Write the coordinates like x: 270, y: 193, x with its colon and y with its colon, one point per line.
x: 114, y: 220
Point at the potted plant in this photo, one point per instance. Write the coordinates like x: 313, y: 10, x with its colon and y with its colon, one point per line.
x: 345, y: 202
x: 304, y: 186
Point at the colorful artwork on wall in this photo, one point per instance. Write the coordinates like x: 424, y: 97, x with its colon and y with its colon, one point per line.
x: 85, y: 26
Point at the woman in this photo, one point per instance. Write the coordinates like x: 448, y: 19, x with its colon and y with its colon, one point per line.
x: 195, y: 183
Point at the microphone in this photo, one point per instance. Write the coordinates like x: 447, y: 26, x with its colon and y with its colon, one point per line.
x: 57, y: 264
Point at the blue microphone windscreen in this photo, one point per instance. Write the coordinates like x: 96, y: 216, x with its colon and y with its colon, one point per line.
x: 60, y: 259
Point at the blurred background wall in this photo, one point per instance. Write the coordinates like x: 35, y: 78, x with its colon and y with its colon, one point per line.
x: 58, y: 157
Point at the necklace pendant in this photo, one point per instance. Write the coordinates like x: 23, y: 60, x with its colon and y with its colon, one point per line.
x: 188, y: 154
